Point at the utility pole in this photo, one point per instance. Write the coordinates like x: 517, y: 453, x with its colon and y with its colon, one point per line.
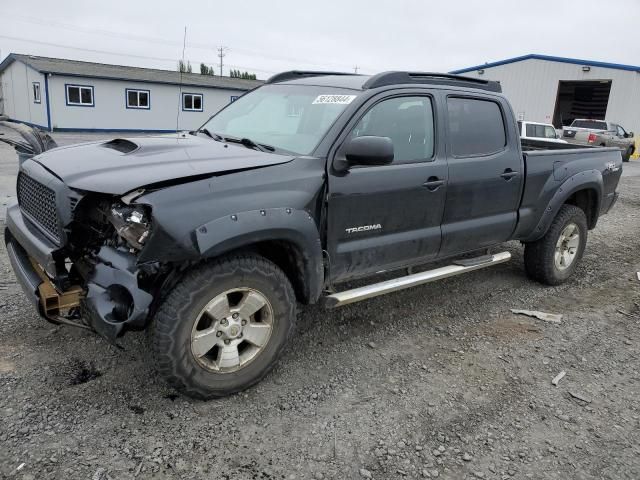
x: 221, y: 54
x: 355, y: 69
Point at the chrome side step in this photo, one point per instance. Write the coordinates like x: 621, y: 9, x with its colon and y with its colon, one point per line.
x: 355, y: 295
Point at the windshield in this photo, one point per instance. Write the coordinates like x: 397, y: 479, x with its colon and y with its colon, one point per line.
x: 287, y: 117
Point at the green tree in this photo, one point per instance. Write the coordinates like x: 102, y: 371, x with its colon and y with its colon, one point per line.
x: 205, y: 70
x: 244, y: 75
x: 184, y: 67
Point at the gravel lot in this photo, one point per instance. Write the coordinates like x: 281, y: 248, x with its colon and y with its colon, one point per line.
x: 437, y: 381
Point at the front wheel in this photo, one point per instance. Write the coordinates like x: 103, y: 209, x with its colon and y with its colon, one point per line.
x: 224, y: 326
x: 553, y: 258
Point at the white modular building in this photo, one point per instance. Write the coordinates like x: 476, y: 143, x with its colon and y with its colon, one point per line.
x: 67, y: 95
x: 556, y: 90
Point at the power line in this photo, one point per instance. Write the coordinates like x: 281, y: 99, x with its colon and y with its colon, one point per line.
x: 164, y: 41
x: 106, y: 52
x: 109, y: 33
x: 85, y: 49
x: 296, y: 60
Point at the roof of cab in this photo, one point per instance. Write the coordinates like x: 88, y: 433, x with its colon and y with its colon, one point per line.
x: 353, y: 82
x: 364, y: 82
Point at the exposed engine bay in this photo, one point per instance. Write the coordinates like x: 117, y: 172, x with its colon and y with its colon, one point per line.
x: 101, y: 252
x: 102, y: 221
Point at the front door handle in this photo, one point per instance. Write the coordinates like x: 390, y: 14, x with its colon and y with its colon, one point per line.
x: 433, y: 183
x: 508, y: 174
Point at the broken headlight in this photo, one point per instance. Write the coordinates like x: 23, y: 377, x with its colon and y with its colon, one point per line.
x: 132, y: 223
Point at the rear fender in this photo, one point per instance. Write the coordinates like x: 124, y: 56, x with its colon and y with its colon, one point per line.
x: 590, y: 179
x: 243, y: 229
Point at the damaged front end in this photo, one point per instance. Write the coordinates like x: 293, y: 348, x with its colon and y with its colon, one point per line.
x: 76, y: 254
x: 107, y: 236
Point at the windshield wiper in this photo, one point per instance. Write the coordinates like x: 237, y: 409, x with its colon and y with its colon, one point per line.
x: 247, y: 142
x: 215, y: 136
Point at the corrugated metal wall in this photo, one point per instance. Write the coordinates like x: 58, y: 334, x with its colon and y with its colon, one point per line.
x: 532, y: 87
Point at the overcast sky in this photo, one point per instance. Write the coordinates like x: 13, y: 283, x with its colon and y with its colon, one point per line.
x: 268, y: 36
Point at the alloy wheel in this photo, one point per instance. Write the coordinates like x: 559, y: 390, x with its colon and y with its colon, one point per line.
x: 231, y: 330
x: 567, y: 247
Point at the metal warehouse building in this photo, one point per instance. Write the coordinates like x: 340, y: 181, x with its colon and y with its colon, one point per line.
x: 68, y: 95
x: 557, y: 90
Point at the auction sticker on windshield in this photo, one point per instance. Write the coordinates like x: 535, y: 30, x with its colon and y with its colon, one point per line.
x: 335, y: 99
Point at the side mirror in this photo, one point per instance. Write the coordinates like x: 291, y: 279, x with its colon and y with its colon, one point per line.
x: 630, y: 134
x: 367, y: 150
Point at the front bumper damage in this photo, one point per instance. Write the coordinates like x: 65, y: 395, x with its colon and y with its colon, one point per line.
x: 113, y: 299
x: 109, y: 301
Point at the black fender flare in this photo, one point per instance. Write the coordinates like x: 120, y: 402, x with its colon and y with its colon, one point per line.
x: 589, y: 179
x: 242, y: 229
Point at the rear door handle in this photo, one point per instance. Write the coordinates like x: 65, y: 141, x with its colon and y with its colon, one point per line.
x: 508, y: 174
x: 433, y: 183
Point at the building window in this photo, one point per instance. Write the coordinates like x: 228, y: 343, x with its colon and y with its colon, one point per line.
x: 192, y: 102
x: 138, y: 99
x: 234, y: 98
x: 80, y: 95
x: 36, y: 92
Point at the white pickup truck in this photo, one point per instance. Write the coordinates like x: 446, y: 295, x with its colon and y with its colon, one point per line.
x: 600, y: 134
x: 539, y: 131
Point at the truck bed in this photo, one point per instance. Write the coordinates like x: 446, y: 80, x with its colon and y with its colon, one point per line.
x: 551, y: 166
x: 530, y: 144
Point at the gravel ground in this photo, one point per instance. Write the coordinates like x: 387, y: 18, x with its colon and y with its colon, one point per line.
x: 437, y: 381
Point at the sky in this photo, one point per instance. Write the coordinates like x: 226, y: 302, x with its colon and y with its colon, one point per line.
x: 266, y: 37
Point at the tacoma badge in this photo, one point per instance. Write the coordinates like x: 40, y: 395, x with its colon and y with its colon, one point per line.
x: 363, y: 228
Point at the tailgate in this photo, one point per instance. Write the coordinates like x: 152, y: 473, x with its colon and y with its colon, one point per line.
x: 579, y: 136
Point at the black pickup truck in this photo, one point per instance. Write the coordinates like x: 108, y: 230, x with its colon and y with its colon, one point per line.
x: 210, y: 238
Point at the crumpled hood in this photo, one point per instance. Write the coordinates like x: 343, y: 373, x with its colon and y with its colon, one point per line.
x: 121, y: 165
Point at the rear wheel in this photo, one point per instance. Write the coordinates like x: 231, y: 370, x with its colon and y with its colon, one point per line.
x: 224, y: 326
x: 627, y: 154
x: 553, y: 258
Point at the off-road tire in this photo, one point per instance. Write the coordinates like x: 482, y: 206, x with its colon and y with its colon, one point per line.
x: 539, y: 255
x: 173, y: 324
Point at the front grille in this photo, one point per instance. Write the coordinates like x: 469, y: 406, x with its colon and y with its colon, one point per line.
x: 39, y: 203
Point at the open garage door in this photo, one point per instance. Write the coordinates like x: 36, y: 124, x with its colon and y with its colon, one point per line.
x: 581, y: 99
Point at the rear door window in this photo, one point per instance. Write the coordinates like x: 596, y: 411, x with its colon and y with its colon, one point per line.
x: 549, y: 132
x: 540, y: 131
x: 534, y: 131
x: 476, y: 127
x: 591, y: 124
